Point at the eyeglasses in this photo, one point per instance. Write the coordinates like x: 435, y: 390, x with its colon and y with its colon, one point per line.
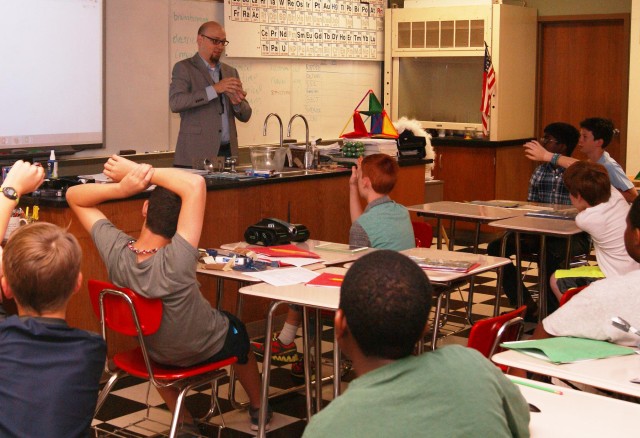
x: 216, y: 41
x: 546, y: 140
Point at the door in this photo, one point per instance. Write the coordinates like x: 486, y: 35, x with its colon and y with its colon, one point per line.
x: 583, y: 71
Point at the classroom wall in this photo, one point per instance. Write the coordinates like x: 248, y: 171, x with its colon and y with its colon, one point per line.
x: 580, y: 7
x: 136, y: 36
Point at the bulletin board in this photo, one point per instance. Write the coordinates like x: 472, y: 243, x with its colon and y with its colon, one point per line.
x: 325, y: 91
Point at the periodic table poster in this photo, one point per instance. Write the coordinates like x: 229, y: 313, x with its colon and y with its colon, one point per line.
x: 305, y: 29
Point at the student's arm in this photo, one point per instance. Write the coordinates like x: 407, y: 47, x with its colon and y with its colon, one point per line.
x: 355, y: 208
x: 630, y: 195
x: 84, y: 198
x: 23, y: 178
x: 536, y: 152
x: 191, y: 189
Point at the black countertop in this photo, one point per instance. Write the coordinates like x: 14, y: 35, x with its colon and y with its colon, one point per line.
x: 221, y: 184
x: 454, y: 141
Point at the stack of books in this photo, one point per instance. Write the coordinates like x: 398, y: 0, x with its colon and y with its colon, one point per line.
x: 445, y: 265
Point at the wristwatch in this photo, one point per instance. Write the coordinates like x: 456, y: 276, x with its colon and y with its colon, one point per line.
x: 10, y: 193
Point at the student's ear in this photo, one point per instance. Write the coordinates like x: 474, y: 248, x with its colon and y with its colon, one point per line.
x: 78, y: 283
x: 5, y: 288
x: 340, y: 324
x: 145, y: 207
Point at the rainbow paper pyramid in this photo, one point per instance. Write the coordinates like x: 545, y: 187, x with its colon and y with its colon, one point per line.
x: 380, y: 127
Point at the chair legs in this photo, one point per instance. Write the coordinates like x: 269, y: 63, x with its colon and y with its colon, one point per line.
x: 102, y: 397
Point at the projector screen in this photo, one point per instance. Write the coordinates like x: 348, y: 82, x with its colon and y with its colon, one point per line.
x: 51, y: 73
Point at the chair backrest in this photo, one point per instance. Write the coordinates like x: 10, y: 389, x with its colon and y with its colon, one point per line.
x: 487, y: 334
x: 570, y: 294
x: 124, y: 310
x: 423, y: 233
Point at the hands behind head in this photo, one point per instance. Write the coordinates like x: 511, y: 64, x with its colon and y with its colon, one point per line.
x: 133, y: 177
x: 533, y: 150
x: 24, y: 177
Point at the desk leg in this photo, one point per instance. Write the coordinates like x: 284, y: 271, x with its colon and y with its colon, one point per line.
x: 232, y: 375
x: 337, y: 371
x: 476, y: 244
x: 452, y: 234
x: 436, y: 319
x: 266, y: 370
x: 567, y: 259
x: 518, y: 268
x: 219, y: 292
x: 440, y: 229
x: 496, y: 307
x: 542, y: 271
x: 307, y: 361
x: 318, y: 357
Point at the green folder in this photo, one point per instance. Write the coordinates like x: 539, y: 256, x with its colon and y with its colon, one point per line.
x: 567, y: 349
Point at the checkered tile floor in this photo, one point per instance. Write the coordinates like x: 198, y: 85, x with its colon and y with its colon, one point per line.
x: 126, y: 402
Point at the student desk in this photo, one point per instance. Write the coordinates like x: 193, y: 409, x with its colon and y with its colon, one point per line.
x: 447, y: 279
x: 468, y: 212
x: 323, y: 298
x: 612, y: 373
x: 578, y: 413
x: 543, y: 227
x: 327, y: 257
x: 463, y: 211
x: 329, y: 298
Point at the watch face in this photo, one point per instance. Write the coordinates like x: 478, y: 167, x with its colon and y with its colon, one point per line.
x: 10, y: 193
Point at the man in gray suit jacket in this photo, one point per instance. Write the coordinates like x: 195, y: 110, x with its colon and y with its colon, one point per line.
x: 209, y: 96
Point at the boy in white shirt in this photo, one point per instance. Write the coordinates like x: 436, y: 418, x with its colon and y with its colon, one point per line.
x: 602, y: 214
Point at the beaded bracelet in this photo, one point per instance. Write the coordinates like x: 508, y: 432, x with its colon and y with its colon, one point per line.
x: 554, y: 159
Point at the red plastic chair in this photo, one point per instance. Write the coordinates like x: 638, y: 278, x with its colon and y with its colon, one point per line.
x: 487, y: 334
x: 126, y: 312
x: 570, y: 294
x: 423, y: 233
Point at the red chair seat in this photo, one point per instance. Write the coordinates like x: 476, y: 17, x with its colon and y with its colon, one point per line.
x: 132, y: 362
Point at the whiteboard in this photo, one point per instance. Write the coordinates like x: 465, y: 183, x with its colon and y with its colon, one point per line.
x: 326, y: 92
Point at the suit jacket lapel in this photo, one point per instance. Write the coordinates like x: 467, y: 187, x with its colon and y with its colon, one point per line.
x: 199, y: 64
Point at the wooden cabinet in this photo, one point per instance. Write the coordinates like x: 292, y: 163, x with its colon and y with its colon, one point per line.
x: 482, y: 170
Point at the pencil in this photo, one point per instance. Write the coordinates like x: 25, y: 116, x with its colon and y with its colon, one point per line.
x: 291, y: 251
x: 540, y: 387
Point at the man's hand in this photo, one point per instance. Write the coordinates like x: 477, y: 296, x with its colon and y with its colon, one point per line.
x: 232, y: 87
x: 117, y: 167
x: 24, y: 177
x: 536, y: 152
x: 137, y: 180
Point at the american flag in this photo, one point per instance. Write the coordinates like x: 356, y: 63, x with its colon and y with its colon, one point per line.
x: 488, y: 84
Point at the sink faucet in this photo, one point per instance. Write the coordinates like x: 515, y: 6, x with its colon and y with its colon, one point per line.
x: 264, y: 128
x: 308, y: 156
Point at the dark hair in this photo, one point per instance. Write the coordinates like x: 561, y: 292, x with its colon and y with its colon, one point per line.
x: 382, y: 170
x: 602, y: 129
x: 589, y: 180
x: 386, y: 299
x: 565, y: 133
x: 163, y: 212
x: 41, y: 263
x: 634, y: 213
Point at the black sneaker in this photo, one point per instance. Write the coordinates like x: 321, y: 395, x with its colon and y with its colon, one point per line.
x: 254, y: 415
